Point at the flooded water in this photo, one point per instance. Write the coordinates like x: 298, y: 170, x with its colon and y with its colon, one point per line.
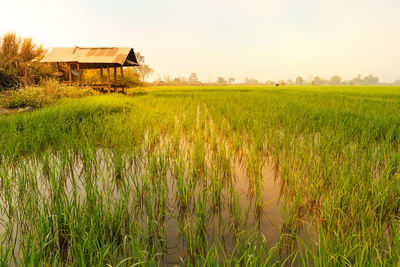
x: 267, y: 222
x: 235, y: 204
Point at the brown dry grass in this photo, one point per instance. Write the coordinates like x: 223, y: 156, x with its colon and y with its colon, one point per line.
x: 43, y: 95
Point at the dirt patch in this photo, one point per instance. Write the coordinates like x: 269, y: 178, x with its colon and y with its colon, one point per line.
x: 4, y: 110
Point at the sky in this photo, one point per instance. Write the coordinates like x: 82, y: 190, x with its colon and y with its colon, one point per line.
x: 261, y: 39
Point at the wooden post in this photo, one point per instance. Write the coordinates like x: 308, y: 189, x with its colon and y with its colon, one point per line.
x: 108, y: 79
x: 70, y: 74
x: 101, y: 76
x: 115, y: 79
x: 79, y: 77
x: 122, y: 80
x: 58, y: 70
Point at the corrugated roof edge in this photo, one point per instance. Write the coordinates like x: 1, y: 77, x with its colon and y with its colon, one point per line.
x: 80, y: 55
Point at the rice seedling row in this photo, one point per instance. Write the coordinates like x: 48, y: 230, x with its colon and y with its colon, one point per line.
x: 204, y: 176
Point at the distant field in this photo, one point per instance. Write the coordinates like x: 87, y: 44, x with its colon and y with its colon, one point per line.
x: 246, y: 175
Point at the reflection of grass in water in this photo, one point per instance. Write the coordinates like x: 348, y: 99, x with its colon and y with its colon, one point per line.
x: 92, y: 181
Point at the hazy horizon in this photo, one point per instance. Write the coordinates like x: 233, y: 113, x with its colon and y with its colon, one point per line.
x: 265, y: 40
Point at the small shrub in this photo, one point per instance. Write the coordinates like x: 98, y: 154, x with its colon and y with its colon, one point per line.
x: 45, y: 94
x: 7, y: 80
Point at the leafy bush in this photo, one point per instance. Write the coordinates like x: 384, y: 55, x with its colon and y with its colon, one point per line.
x: 7, y: 80
x: 44, y: 94
x: 20, y: 62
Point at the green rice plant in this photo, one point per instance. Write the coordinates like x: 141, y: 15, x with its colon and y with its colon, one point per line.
x: 184, y: 183
x: 200, y: 214
x: 199, y: 153
x: 236, y: 212
x: 93, y: 180
x: 216, y: 185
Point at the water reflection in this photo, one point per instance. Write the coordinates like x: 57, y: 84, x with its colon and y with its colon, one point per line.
x: 184, y: 209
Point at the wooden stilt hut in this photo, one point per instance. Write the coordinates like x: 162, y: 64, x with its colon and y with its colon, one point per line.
x: 72, y: 61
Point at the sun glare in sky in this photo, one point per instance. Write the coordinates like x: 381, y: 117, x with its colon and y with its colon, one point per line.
x: 265, y: 40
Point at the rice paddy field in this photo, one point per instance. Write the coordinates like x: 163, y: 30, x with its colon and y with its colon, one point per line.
x: 204, y: 176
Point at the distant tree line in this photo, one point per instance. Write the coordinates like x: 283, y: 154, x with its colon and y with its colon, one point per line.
x: 334, y: 80
x: 193, y: 79
x: 337, y: 80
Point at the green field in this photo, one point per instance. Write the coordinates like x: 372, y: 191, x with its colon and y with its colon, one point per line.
x: 247, y: 175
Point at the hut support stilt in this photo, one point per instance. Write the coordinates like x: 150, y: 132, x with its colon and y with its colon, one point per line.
x: 69, y: 73
x: 101, y: 75
x: 79, y: 77
x: 115, y: 78
x: 108, y: 80
x: 122, y: 80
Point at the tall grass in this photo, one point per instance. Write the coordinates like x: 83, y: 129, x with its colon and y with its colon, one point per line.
x: 151, y: 179
x: 45, y: 94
